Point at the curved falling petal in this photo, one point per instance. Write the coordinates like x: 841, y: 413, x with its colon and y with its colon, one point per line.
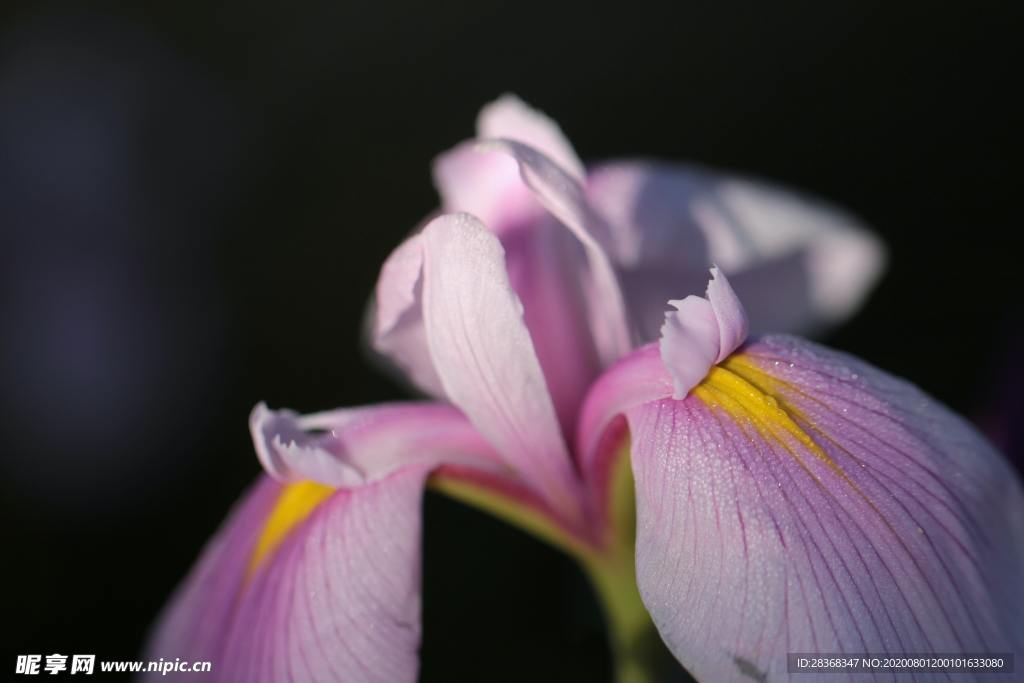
x: 799, y: 500
x: 200, y: 613
x: 299, y: 613
x: 304, y: 613
x: 319, y: 579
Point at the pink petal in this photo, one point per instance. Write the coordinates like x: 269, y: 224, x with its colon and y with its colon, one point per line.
x: 336, y: 596
x: 563, y: 197
x: 796, y: 262
x: 487, y: 184
x: 542, y: 263
x: 397, y: 325
x: 800, y: 500
x: 339, y: 599
x: 545, y: 265
x: 566, y: 291
x: 638, y: 378
x: 635, y: 380
x: 485, y: 358
x: 701, y: 332
x: 510, y: 118
x: 199, y: 615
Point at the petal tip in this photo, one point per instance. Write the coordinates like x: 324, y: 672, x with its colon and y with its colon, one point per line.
x: 512, y: 118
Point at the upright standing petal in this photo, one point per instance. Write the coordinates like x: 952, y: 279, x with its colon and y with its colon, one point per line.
x: 547, y: 268
x: 397, y: 316
x: 544, y: 265
x: 798, y: 263
x: 510, y: 118
x: 799, y: 500
x: 487, y: 184
x: 541, y: 264
x: 563, y: 197
x: 484, y: 356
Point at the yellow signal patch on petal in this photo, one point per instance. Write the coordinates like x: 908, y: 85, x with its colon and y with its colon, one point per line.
x: 295, y: 503
x: 743, y: 389
x: 746, y: 393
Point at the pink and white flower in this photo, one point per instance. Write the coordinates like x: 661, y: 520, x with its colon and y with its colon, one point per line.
x: 787, y: 497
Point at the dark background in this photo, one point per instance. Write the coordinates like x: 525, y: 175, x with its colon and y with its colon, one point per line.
x: 195, y: 200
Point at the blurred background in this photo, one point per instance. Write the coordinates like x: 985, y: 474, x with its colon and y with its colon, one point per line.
x: 195, y: 199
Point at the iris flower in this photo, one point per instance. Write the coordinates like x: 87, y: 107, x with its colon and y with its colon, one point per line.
x: 740, y: 498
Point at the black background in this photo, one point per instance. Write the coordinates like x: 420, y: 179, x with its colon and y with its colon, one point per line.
x: 195, y: 201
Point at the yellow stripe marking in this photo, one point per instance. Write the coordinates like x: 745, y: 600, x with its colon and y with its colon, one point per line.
x: 742, y: 389
x: 731, y: 387
x: 295, y: 503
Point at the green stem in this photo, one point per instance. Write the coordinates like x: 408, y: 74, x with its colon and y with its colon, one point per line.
x: 635, y: 645
x: 640, y: 656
